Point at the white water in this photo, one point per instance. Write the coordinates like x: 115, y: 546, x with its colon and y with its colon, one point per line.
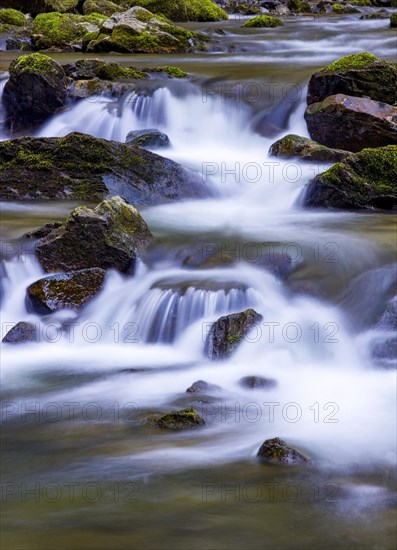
x: 346, y: 408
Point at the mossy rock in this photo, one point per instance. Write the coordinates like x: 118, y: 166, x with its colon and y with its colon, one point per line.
x: 186, y: 419
x: 172, y: 72
x: 64, y: 290
x: 183, y: 10
x: 104, y: 7
x: 367, y: 180
x: 363, y: 3
x: 357, y: 75
x: 81, y: 167
x: 36, y: 89
x: 342, y: 9
x: 276, y: 451
x: 150, y: 138
x: 108, y: 236
x: 393, y: 20
x: 266, y: 21
x: 63, y: 30
x: 306, y: 149
x: 228, y: 332
x: 61, y: 6
x: 297, y: 6
x: 87, y: 69
x: 10, y: 16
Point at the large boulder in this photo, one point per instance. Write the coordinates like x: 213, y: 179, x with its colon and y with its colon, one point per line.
x: 140, y: 31
x: 36, y: 89
x: 10, y: 16
x: 276, y: 451
x: 359, y: 75
x: 64, y: 290
x: 183, y: 10
x: 366, y: 180
x: 361, y: 122
x: 306, y: 149
x: 109, y: 236
x: 186, y: 419
x: 81, y: 167
x: 228, y: 332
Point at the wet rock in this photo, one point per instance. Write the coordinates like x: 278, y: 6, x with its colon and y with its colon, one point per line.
x: 36, y: 89
x: 358, y: 75
x: 297, y: 6
x: 228, y: 332
x: 87, y: 69
x: 150, y: 138
x: 276, y: 451
x: 306, y: 149
x: 185, y: 10
x: 109, y: 236
x: 105, y: 7
x: 385, y: 349
x: 388, y: 319
x: 43, y: 231
x: 366, y: 180
x: 22, y: 333
x: 81, y: 167
x: 263, y: 21
x: 186, y: 419
x: 64, y: 290
x: 201, y: 386
x: 361, y: 122
x: 393, y: 20
x: 257, y: 383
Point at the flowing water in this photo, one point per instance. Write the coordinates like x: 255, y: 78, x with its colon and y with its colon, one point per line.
x: 81, y: 467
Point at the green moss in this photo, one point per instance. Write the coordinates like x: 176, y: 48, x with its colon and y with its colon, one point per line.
x: 114, y: 71
x: 144, y: 42
x: 337, y: 8
x: 104, y: 7
x: 353, y: 61
x: 379, y: 165
x: 62, y: 6
x: 263, y: 21
x: 393, y: 20
x: 173, y: 72
x: 179, y: 420
x: 36, y: 63
x: 297, y: 6
x: 12, y: 17
x: 361, y: 3
x: 56, y: 29
x: 183, y: 10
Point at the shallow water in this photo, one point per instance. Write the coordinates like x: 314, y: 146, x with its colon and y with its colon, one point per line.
x: 82, y: 469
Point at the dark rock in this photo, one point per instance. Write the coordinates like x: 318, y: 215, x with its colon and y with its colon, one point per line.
x: 257, y: 382
x: 388, y: 319
x: 200, y: 386
x: 185, y: 419
x: 361, y: 122
x: 393, y: 20
x: 87, y: 69
x: 306, y: 149
x: 297, y: 6
x: 366, y: 180
x: 21, y: 333
x: 42, y: 231
x: 276, y: 451
x: 64, y: 290
x: 109, y: 236
x: 81, y: 167
x: 36, y: 89
x: 150, y: 138
x: 359, y: 75
x: 40, y: 6
x: 229, y: 331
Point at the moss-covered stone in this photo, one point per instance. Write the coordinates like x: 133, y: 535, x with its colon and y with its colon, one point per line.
x: 343, y: 9
x: 183, y: 10
x: 81, y: 167
x: 263, y: 21
x: 65, y: 290
x: 61, y: 6
x: 10, y: 16
x: 357, y: 75
x: 228, y: 332
x: 63, y: 30
x: 393, y: 20
x: 363, y: 3
x: 86, y: 69
x: 104, y: 7
x: 276, y: 451
x: 36, y: 89
x: 306, y: 149
x: 172, y: 72
x: 109, y: 236
x: 186, y: 419
x: 297, y: 6
x: 366, y: 180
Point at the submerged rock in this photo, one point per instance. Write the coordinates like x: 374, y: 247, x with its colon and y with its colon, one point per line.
x: 276, y: 451
x: 359, y: 75
x: 109, y: 236
x: 366, y: 180
x: 361, y: 122
x: 81, y: 167
x: 150, y: 138
x: 36, y: 89
x: 228, y: 332
x: 64, y: 290
x: 186, y: 419
x: 201, y: 386
x: 306, y: 149
x: 257, y: 382
x: 22, y: 333
x: 266, y: 21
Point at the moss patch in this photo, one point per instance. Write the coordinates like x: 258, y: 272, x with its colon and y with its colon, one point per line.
x: 353, y: 61
x: 173, y: 72
x: 36, y: 63
x: 263, y: 21
x: 10, y: 16
x: 183, y: 10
